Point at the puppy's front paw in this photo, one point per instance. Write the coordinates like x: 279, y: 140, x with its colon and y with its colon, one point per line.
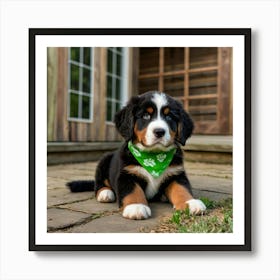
x: 196, y: 206
x: 106, y: 196
x: 136, y: 211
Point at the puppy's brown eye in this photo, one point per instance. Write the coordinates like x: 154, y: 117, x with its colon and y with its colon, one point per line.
x: 146, y: 116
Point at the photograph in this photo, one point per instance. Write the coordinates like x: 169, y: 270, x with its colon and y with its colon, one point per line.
x: 140, y: 139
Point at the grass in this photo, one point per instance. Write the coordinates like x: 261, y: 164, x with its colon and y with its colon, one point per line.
x: 218, y: 218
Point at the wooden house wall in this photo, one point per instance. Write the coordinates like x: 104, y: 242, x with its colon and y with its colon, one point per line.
x: 59, y: 127
x: 200, y: 78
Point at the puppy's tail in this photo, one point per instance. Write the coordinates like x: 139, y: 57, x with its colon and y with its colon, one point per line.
x: 81, y: 186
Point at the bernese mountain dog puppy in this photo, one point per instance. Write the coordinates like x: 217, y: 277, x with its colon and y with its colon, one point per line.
x: 149, y: 165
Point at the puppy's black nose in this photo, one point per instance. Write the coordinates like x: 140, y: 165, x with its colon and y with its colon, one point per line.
x: 159, y: 132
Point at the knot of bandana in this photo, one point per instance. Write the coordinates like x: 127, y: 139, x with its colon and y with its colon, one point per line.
x: 154, y: 162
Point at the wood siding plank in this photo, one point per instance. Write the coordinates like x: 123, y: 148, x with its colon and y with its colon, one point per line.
x: 178, y: 72
x: 100, y: 128
x: 52, y: 59
x: 203, y: 96
x: 82, y: 129
x: 96, y: 95
x: 73, y: 132
x: 62, y: 96
x: 224, y: 90
x: 134, y: 66
x: 186, y: 78
x: 161, y: 69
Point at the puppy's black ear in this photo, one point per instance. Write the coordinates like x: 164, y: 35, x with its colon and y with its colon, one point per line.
x: 185, y: 126
x: 124, y: 119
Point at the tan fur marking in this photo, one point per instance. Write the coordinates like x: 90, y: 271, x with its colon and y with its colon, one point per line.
x: 140, y: 135
x: 136, y: 196
x: 150, y: 110
x: 107, y: 184
x: 131, y: 170
x: 178, y: 195
x: 166, y: 111
x: 172, y: 134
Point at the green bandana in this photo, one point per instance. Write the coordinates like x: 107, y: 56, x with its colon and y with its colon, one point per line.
x: 154, y: 162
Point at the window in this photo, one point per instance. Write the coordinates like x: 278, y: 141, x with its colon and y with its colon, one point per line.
x: 80, y: 86
x: 116, y: 80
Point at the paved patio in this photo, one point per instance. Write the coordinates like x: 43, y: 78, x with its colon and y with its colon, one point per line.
x: 80, y: 212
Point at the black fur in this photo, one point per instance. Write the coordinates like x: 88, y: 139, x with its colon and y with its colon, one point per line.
x: 184, y: 121
x: 125, y: 118
x: 186, y: 127
x: 81, y: 186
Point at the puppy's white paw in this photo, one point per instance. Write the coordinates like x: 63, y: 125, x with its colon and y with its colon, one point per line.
x: 137, y: 211
x: 106, y: 196
x: 196, y: 206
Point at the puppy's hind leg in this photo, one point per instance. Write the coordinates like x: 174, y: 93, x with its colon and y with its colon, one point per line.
x: 103, y: 189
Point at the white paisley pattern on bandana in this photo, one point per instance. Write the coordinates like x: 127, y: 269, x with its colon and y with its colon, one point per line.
x: 149, y: 162
x: 136, y: 152
x: 161, y: 157
x: 154, y: 162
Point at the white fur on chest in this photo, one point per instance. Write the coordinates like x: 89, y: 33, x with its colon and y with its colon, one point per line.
x: 153, y: 183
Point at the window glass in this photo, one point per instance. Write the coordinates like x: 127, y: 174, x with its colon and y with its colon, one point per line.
x: 118, y: 106
x: 115, y: 80
x: 86, y: 106
x: 118, y: 89
x: 87, y: 56
x: 119, y: 65
x: 74, y: 100
x: 109, y: 61
x: 75, y: 54
x: 109, y: 110
x: 74, y: 77
x: 80, y: 84
x: 86, y: 80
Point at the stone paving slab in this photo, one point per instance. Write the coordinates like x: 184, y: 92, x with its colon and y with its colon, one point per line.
x: 211, y: 184
x: 80, y: 212
x: 63, y: 218
x: 91, y: 206
x: 213, y: 170
x: 115, y: 223
x: 216, y: 196
x: 62, y: 196
x: 56, y: 183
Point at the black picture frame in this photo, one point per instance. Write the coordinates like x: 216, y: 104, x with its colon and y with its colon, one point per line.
x: 245, y: 32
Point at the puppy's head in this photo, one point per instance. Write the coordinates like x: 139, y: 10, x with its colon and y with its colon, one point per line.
x: 154, y: 120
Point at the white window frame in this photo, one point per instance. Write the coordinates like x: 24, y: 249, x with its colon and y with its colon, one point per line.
x: 124, y: 83
x: 79, y: 92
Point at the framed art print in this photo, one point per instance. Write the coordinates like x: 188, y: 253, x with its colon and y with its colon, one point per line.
x: 79, y: 79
